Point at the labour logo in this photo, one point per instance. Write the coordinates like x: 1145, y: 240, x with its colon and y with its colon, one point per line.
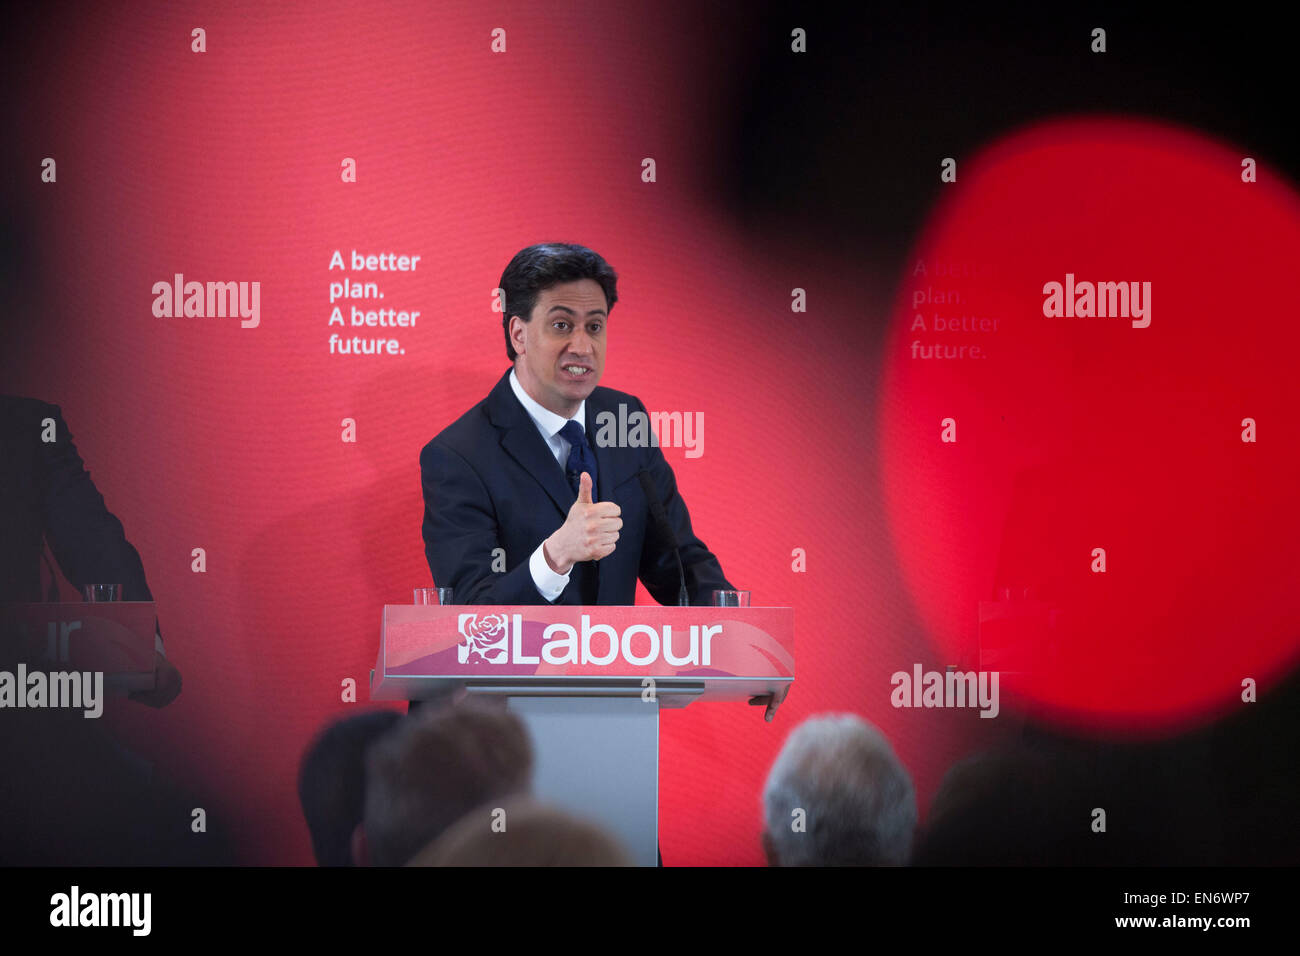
x: 487, y: 637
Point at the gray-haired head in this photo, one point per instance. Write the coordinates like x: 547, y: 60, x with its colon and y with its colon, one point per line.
x: 837, y: 795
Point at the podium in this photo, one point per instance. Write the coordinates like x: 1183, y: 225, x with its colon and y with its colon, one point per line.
x: 115, y: 638
x: 589, y: 683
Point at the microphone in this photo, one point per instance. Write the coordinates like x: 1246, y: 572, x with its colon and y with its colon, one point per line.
x: 660, y: 517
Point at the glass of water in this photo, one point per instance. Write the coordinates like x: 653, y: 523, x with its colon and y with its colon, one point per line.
x: 731, y: 599
x: 433, y: 595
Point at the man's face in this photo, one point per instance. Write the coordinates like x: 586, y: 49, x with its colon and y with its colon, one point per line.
x: 561, y: 351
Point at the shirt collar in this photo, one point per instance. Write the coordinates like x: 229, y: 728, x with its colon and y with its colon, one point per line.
x: 546, y: 420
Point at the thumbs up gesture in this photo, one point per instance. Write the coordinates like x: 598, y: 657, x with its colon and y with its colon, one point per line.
x: 584, y: 491
x: 589, y: 533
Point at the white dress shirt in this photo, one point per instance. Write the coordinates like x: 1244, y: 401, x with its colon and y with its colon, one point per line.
x: 549, y: 584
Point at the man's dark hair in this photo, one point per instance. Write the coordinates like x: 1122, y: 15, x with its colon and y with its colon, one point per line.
x: 547, y: 264
x: 440, y: 763
x: 1011, y: 807
x: 332, y: 780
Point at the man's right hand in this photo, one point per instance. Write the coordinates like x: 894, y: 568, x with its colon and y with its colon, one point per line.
x: 588, y: 534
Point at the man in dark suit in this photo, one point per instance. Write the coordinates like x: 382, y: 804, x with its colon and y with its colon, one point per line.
x: 73, y: 795
x: 46, y: 495
x: 522, y: 504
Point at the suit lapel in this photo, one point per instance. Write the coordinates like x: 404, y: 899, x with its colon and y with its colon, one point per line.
x: 525, y: 444
x: 612, y: 467
x: 602, y: 480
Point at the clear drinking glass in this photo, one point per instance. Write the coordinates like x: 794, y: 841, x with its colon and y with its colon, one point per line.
x: 101, y: 592
x: 433, y: 595
x: 731, y: 599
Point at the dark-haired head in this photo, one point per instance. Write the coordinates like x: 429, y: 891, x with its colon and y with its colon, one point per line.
x: 548, y: 264
x: 332, y: 778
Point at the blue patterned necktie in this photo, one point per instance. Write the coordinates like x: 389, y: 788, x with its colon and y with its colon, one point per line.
x: 581, y: 457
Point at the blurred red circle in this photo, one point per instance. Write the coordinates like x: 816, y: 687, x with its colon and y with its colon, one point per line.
x: 1089, y: 438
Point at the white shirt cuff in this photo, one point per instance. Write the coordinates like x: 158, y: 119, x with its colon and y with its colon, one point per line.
x: 549, y: 584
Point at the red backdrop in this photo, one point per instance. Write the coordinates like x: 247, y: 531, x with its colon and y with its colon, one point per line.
x: 820, y: 431
x: 225, y: 166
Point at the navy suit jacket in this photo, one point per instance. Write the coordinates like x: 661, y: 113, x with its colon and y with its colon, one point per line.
x: 491, y: 481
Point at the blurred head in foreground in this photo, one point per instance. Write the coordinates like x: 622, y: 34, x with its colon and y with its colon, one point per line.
x: 837, y: 795
x: 522, y: 832
x: 332, y: 782
x: 436, y: 766
x: 1008, y: 808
